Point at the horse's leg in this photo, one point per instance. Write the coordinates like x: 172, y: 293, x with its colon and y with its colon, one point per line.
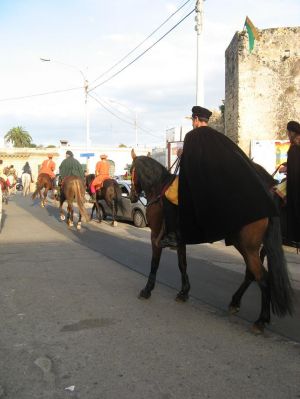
x: 44, y: 200
x: 97, y: 207
x: 79, y: 222
x: 61, y: 201
x: 183, y: 294
x: 156, y: 254
x: 249, y: 242
x: 114, y: 222
x: 70, y: 213
x: 235, y: 303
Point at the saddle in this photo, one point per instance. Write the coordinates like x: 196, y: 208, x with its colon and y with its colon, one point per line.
x: 171, y: 191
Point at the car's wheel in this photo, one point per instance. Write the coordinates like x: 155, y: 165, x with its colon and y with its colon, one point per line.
x: 138, y: 219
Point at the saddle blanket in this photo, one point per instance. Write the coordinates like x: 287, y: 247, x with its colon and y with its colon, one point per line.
x: 172, y: 191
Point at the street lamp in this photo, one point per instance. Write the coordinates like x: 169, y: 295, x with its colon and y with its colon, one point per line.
x: 199, y: 67
x: 85, y: 87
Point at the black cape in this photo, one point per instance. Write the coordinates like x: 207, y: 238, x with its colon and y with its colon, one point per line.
x: 293, y: 194
x: 219, y: 189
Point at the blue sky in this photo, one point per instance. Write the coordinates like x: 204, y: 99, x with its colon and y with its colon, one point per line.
x: 91, y: 35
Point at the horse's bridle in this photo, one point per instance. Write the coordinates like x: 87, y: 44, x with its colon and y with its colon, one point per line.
x: 136, y: 193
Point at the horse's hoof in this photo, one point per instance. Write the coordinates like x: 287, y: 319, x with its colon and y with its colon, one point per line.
x: 233, y: 309
x: 181, y: 297
x: 144, y: 294
x: 71, y: 224
x: 114, y: 224
x: 79, y: 226
x: 62, y: 217
x: 258, y: 328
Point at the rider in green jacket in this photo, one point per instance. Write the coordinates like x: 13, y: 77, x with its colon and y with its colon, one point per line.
x: 70, y: 167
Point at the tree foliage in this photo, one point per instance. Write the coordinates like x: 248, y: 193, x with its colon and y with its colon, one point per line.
x: 19, y: 137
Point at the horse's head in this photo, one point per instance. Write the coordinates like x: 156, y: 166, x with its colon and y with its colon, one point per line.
x: 88, y: 181
x: 136, y: 188
x: 147, y: 175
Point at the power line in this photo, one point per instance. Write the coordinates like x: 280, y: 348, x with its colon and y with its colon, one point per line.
x: 140, y: 44
x: 39, y: 94
x: 121, y: 119
x: 144, y: 52
x: 139, y: 126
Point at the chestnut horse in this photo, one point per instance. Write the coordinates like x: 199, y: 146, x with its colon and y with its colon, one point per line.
x: 276, y: 293
x: 5, y: 189
x: 110, y: 193
x: 72, y: 189
x: 44, y: 181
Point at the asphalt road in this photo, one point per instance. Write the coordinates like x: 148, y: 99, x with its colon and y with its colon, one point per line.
x: 70, y: 316
x: 215, y: 271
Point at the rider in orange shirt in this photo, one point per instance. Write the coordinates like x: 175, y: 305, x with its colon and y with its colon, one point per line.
x: 48, y: 167
x: 102, y: 173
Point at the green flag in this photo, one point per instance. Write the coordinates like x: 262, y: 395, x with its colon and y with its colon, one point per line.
x: 252, y: 33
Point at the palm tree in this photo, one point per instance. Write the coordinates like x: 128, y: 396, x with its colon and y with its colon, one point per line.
x: 19, y: 137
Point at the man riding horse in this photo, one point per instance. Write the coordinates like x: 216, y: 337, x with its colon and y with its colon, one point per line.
x: 102, y: 173
x: 48, y: 167
x: 219, y: 189
x: 70, y: 167
x: 293, y: 183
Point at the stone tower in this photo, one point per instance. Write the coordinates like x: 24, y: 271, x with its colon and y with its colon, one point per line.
x: 262, y: 88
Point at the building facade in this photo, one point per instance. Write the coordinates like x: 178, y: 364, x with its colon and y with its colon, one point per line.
x: 88, y: 157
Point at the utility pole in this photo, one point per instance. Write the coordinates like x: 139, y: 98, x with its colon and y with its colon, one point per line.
x: 200, y: 57
x: 86, y: 89
x: 87, y: 112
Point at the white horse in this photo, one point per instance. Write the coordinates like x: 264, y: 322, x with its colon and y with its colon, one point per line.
x: 26, y: 180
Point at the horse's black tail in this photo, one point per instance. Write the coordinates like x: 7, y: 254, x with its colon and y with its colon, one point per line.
x: 281, y: 291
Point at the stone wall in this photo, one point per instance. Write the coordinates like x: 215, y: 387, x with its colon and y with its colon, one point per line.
x: 216, y: 121
x: 262, y: 88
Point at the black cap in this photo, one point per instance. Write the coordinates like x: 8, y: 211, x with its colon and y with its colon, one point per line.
x: 202, y: 113
x: 293, y: 126
x: 69, y: 153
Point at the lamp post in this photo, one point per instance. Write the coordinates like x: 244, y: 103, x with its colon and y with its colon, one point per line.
x: 85, y: 87
x: 199, y: 67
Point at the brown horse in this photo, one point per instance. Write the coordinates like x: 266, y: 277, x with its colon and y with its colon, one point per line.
x: 44, y: 181
x: 5, y: 190
x: 151, y: 177
x: 72, y: 189
x: 110, y: 193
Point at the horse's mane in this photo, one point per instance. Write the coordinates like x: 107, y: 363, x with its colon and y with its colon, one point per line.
x: 150, y: 173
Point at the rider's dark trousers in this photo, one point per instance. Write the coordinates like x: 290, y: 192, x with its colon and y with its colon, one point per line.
x: 171, y: 216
